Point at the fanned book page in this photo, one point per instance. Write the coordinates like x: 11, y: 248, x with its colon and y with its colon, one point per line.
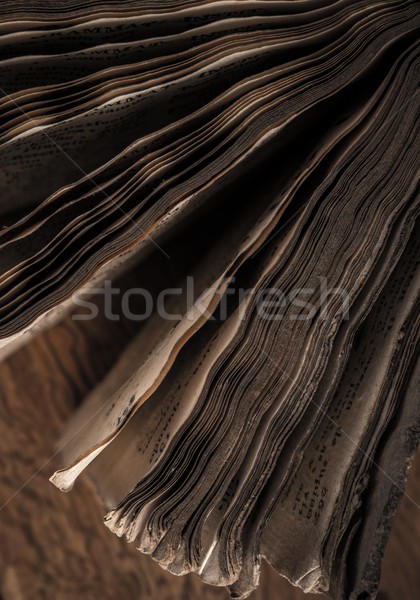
x: 250, y: 170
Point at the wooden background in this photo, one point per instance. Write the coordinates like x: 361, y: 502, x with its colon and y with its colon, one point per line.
x: 54, y: 546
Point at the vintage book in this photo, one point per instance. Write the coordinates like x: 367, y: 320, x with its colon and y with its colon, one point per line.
x: 251, y: 167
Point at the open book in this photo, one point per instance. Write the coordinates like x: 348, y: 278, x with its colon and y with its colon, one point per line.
x: 253, y: 165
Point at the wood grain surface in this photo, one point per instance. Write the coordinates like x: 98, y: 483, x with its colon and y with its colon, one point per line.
x: 54, y: 546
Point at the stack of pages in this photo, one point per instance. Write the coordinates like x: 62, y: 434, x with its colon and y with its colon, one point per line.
x: 261, y: 159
